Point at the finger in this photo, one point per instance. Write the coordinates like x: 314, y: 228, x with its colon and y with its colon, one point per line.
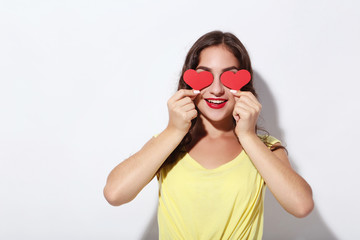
x: 243, y: 93
x: 251, y: 110
x: 183, y: 101
x: 185, y: 93
x: 236, y: 117
x: 242, y: 112
x: 250, y: 95
x: 191, y: 114
x: 249, y: 98
x: 236, y: 93
x: 188, y: 107
x: 249, y: 101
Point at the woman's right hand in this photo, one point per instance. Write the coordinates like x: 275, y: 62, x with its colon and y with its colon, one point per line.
x: 128, y: 178
x: 182, y: 110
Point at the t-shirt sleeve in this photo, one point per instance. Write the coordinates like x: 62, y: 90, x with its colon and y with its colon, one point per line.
x: 269, y: 140
x: 272, y: 140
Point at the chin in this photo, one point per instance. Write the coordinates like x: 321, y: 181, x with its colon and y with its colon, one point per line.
x: 215, y: 115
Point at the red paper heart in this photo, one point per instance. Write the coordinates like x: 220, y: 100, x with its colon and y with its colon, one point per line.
x: 235, y: 80
x: 198, y: 80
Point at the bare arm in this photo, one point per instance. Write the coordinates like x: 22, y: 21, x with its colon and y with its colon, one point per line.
x: 289, y: 188
x: 128, y: 178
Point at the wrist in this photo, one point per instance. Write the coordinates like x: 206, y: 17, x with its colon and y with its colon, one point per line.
x: 174, y: 132
x: 247, y: 137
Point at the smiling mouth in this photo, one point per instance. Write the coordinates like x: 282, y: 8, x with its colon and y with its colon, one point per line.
x: 215, y: 101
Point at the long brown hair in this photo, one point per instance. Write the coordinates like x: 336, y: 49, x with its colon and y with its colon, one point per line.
x: 233, y: 44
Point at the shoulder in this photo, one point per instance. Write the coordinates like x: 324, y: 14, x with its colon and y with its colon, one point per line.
x: 276, y: 147
x: 269, y: 140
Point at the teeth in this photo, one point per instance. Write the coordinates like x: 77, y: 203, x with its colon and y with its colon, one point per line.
x: 216, y: 101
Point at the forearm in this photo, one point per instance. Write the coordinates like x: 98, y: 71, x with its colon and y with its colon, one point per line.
x: 288, y: 187
x: 128, y: 178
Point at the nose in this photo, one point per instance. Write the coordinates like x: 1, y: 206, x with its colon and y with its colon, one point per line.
x: 216, y: 87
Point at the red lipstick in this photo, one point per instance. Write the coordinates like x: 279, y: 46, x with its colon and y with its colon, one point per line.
x: 216, y: 103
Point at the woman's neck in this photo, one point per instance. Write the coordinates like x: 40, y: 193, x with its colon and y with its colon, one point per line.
x: 206, y: 128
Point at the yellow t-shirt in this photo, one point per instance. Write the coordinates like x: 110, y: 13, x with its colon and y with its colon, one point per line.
x: 222, y: 203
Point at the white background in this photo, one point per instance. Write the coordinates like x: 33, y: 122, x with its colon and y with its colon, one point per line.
x: 84, y: 84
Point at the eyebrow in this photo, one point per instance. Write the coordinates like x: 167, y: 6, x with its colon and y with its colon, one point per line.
x: 224, y: 70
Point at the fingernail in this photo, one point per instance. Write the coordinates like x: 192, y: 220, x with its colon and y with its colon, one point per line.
x: 196, y: 91
x: 233, y: 91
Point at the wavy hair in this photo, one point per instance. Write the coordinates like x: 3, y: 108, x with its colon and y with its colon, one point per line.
x: 234, y: 45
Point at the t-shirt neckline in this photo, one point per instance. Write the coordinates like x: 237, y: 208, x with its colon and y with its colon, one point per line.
x: 219, y: 168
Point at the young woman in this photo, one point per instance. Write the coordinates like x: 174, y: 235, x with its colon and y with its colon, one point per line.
x: 211, y: 165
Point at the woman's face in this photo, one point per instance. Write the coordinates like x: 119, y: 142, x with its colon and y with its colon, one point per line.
x: 216, y: 102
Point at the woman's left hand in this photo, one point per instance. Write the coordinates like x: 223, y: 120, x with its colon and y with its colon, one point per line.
x: 246, y: 112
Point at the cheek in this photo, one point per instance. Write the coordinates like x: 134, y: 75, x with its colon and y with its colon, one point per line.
x: 231, y: 102
x: 200, y: 97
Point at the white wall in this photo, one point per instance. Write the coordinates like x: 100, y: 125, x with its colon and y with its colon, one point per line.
x: 83, y: 85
